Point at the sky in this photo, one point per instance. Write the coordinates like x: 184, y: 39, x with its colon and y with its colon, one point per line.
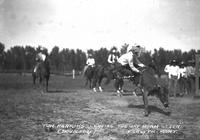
x: 93, y: 24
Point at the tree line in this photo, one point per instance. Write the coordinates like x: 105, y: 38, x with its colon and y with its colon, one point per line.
x: 23, y: 58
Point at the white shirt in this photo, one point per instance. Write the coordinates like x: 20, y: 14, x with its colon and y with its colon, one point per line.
x: 190, y: 71
x: 90, y: 62
x: 112, y: 58
x: 182, y: 72
x: 40, y: 56
x: 172, y: 70
x: 127, y: 59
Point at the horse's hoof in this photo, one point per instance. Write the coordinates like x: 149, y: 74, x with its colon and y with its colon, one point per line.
x: 146, y: 114
x: 119, y: 93
x: 134, y: 93
x: 94, y: 89
x: 100, y: 89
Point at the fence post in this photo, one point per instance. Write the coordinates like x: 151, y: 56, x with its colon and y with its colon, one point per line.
x: 197, y: 74
x: 73, y: 73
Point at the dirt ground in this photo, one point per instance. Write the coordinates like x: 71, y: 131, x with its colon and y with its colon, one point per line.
x: 70, y: 111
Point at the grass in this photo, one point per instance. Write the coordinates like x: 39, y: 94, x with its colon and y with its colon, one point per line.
x: 26, y: 114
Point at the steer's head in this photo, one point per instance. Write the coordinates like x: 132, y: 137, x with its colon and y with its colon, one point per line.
x: 162, y: 93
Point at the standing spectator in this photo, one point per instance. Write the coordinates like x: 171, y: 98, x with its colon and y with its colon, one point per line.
x: 182, y: 79
x: 190, y: 74
x: 172, y: 70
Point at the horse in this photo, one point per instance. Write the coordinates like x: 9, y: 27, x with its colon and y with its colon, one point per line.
x: 101, y: 72
x: 148, y: 85
x: 95, y: 76
x: 43, y: 73
x: 89, y: 74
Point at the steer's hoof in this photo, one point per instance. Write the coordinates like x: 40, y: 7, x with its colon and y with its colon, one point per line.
x: 146, y: 113
x: 167, y: 111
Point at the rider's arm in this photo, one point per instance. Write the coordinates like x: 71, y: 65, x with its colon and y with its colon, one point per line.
x: 137, y: 61
x: 87, y: 62
x: 109, y: 59
x: 130, y: 62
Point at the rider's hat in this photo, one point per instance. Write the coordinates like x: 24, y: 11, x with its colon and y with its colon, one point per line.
x: 113, y: 49
x: 174, y: 62
x: 89, y: 55
x: 134, y: 48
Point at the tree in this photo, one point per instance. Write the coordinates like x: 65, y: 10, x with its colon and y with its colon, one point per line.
x: 159, y: 58
x: 30, y: 54
x: 55, y: 58
x: 80, y: 59
x: 2, y: 55
x: 101, y: 56
x: 72, y: 59
x: 124, y: 48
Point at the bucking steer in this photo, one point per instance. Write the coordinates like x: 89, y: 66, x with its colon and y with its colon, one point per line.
x: 148, y: 85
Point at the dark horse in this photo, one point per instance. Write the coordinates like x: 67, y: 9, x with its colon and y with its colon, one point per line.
x: 89, y: 74
x: 95, y: 76
x: 43, y: 73
x: 149, y: 86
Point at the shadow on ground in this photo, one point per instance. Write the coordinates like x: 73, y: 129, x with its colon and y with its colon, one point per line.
x: 151, y: 109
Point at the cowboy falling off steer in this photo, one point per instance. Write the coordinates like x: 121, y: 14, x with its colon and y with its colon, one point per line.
x: 126, y: 64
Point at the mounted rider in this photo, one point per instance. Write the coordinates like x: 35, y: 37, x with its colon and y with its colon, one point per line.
x: 113, y: 57
x: 89, y: 63
x: 129, y: 61
x: 40, y: 57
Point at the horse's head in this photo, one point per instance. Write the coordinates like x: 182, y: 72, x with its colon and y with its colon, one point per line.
x: 162, y: 93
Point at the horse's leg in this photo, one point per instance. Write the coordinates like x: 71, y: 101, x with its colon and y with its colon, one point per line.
x: 34, y: 78
x: 121, y: 85
x: 94, y: 84
x: 145, y: 100
x: 41, y: 83
x: 117, y: 86
x: 47, y: 83
x: 99, y: 83
x: 90, y: 82
x: 86, y: 82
